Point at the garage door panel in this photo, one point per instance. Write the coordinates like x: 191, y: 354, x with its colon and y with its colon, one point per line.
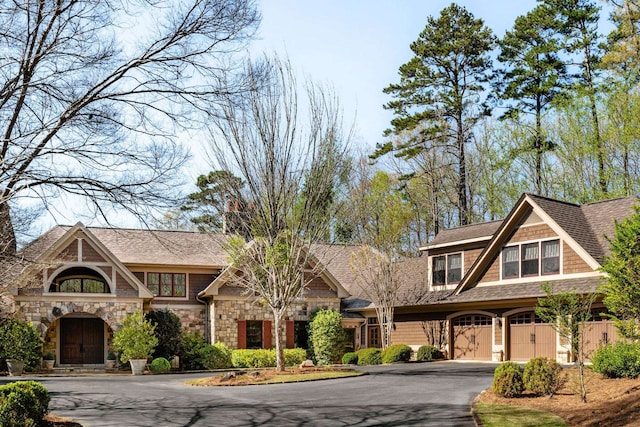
x: 529, y: 338
x: 472, y: 337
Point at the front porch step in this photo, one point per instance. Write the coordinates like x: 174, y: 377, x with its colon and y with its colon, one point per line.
x: 78, y: 370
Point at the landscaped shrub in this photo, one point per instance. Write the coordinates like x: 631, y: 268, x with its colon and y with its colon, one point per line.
x: 217, y: 356
x: 261, y: 358
x: 190, y: 351
x: 327, y: 336
x: 542, y: 376
x: 23, y: 403
x: 507, y: 380
x: 427, y: 353
x: 350, y: 358
x: 396, y: 353
x: 369, y: 356
x: 20, y: 341
x: 294, y: 356
x: 620, y: 360
x: 136, y: 338
x: 168, y: 331
x: 160, y: 365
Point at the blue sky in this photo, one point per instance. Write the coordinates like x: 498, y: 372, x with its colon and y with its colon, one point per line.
x: 358, y: 46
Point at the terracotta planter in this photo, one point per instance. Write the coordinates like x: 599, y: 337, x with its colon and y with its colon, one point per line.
x: 137, y: 366
x: 15, y: 367
x: 48, y: 364
x: 111, y: 363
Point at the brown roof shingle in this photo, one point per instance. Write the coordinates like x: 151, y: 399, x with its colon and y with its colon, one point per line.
x: 466, y: 232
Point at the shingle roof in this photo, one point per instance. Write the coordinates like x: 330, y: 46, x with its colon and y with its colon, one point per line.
x: 132, y: 246
x: 466, y: 232
x: 601, y: 217
x: 523, y: 290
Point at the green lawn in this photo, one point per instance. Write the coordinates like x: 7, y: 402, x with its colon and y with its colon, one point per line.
x: 514, y: 416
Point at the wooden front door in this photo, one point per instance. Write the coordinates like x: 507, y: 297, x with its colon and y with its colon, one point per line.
x: 81, y: 341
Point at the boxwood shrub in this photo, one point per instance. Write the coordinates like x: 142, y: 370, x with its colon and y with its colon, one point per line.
x: 542, y: 376
x: 261, y: 358
x: 507, y: 380
x: 23, y: 403
x: 619, y: 360
x: 369, y: 356
x: 350, y: 358
x: 427, y: 353
x: 396, y: 353
x: 160, y: 365
x: 216, y: 356
x: 190, y: 351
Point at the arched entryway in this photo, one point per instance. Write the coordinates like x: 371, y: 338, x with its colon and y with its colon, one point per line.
x: 79, y: 339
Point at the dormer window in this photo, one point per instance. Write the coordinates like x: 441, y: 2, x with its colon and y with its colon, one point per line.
x: 446, y: 269
x: 531, y: 259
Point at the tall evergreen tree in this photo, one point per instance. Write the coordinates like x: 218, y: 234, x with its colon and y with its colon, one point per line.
x: 577, y: 22
x: 533, y: 77
x: 437, y: 101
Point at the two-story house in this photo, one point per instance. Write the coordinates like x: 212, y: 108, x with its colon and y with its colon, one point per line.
x: 485, y: 279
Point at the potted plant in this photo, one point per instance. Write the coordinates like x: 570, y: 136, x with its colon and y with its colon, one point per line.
x: 135, y: 340
x: 111, y: 359
x: 20, y: 345
x: 49, y: 360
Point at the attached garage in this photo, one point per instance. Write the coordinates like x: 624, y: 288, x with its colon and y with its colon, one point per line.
x: 472, y: 338
x: 529, y: 337
x: 599, y: 331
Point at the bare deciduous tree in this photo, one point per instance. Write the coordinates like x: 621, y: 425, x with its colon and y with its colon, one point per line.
x: 93, y: 94
x: 291, y: 171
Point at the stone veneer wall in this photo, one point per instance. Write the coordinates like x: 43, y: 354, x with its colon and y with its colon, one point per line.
x: 192, y: 319
x: 41, y: 312
x: 225, y: 314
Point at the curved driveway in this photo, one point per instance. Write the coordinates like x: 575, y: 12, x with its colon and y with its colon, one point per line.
x: 425, y: 394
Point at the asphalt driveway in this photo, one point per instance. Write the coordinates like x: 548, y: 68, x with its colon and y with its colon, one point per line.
x: 426, y: 394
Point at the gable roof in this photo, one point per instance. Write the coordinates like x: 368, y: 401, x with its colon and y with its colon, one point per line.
x: 584, y: 228
x: 155, y: 247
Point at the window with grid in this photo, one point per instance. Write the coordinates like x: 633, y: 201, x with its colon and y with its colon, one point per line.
x: 167, y: 284
x: 446, y: 269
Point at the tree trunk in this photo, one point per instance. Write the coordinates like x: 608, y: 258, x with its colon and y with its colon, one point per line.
x: 8, y: 246
x: 277, y: 318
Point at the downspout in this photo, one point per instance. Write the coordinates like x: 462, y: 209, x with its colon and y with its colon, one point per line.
x: 207, y: 326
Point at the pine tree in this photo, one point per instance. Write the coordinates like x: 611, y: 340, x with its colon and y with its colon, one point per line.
x: 436, y: 104
x: 534, y: 76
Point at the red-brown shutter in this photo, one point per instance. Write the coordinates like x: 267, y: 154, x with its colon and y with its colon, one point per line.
x: 242, y: 334
x: 291, y: 337
x: 266, y: 334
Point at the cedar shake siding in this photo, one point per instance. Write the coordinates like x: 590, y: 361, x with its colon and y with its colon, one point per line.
x: 318, y: 288
x: 89, y: 253
x: 123, y: 288
x: 410, y: 333
x: 532, y: 232
x: 572, y: 262
x: 197, y: 283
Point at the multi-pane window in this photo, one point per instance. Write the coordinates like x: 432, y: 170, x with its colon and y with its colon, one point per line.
x: 254, y: 334
x: 81, y: 285
x: 167, y: 284
x: 446, y: 269
x: 531, y: 259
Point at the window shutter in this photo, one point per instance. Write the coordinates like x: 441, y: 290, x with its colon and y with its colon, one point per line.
x: 266, y: 334
x: 291, y: 336
x: 242, y: 334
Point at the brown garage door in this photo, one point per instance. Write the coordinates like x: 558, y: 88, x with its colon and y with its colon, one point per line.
x: 472, y: 337
x: 599, y: 331
x: 529, y: 337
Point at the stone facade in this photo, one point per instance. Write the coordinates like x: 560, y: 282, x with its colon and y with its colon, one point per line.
x: 192, y: 318
x: 43, y: 313
x: 225, y: 313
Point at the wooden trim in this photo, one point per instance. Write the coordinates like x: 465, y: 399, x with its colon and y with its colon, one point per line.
x: 242, y: 334
x: 267, y: 338
x: 291, y: 336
